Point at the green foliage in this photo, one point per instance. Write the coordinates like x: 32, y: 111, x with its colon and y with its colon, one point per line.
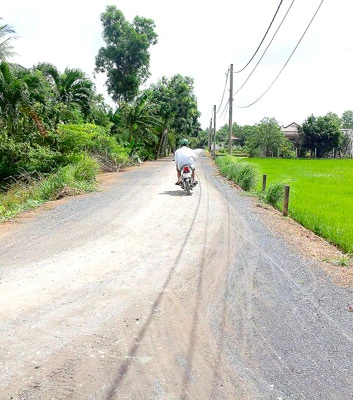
x: 343, y: 261
x: 199, y: 141
x: 222, y: 135
x: 347, y: 119
x: 125, y: 59
x: 322, y: 134
x: 241, y: 172
x: 7, y: 34
x: 267, y: 140
x: 72, y: 92
x: 21, y: 91
x: 321, y: 194
x: 40, y: 159
x: 139, y: 125
x: 176, y: 107
x: 273, y: 194
x: 75, y: 139
x: 11, y: 152
x: 68, y: 180
x: 345, y: 145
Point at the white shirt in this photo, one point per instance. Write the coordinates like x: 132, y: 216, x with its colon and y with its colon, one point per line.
x: 184, y: 156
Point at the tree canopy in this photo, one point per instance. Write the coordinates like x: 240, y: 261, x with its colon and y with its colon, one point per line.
x: 322, y: 134
x: 125, y: 58
x: 176, y: 106
x: 347, y: 119
x: 268, y: 138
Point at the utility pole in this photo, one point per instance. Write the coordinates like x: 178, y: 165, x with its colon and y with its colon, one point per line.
x: 214, y: 131
x: 230, y: 108
x: 210, y: 136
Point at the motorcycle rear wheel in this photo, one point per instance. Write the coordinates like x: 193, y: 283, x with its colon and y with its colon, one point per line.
x: 187, y: 188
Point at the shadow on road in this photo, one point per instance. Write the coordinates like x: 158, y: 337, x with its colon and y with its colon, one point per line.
x: 174, y: 193
x: 125, y: 366
x: 195, y: 319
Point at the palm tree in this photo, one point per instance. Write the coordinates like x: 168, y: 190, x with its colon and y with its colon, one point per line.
x: 21, y: 90
x: 6, y: 35
x: 72, y: 88
x: 139, y: 121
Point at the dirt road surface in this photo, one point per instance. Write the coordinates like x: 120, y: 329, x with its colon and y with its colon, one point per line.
x: 141, y: 292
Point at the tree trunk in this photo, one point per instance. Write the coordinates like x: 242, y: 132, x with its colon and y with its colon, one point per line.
x: 161, y: 142
x: 165, y: 144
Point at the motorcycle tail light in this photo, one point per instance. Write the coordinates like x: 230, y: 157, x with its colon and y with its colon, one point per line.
x: 186, y: 169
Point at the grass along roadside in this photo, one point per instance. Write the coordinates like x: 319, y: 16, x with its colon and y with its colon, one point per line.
x: 28, y: 192
x: 321, y: 194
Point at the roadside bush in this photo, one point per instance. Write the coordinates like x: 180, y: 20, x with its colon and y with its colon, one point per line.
x: 71, y: 179
x: 11, y: 152
x: 75, y: 138
x: 40, y: 159
x: 241, y: 172
x: 92, y: 139
x: 273, y: 195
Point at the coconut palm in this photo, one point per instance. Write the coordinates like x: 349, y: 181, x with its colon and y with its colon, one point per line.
x: 21, y: 90
x: 72, y: 88
x: 139, y: 119
x: 6, y: 36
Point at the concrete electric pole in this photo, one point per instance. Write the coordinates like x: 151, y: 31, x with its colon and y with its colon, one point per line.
x: 230, y: 108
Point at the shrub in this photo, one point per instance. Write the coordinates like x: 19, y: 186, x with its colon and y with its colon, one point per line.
x: 241, y: 172
x: 92, y: 139
x: 274, y: 194
x: 71, y: 179
x: 40, y: 159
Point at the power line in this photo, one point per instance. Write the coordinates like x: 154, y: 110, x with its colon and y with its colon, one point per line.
x: 212, y: 112
x: 284, y: 66
x: 273, y: 37
x: 225, y: 109
x: 227, y: 74
x: 274, y: 17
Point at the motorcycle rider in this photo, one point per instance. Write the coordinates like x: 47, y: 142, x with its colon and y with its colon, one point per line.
x: 184, y: 156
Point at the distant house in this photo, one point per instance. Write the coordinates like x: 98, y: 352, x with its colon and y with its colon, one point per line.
x: 291, y: 132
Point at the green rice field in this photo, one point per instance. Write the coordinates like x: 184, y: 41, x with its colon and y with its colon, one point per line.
x: 321, y: 194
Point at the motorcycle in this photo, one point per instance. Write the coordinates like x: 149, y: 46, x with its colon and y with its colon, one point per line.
x: 187, y: 182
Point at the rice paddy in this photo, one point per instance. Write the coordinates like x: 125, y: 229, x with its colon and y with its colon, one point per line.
x: 321, y: 194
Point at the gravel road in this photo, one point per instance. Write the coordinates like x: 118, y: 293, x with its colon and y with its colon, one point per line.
x: 141, y: 292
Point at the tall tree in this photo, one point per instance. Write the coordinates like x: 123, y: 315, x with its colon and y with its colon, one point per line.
x: 126, y: 58
x: 7, y: 34
x: 268, y: 138
x: 322, y: 133
x: 177, y: 108
x: 347, y: 119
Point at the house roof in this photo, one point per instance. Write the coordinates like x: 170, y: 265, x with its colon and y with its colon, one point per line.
x: 292, y: 124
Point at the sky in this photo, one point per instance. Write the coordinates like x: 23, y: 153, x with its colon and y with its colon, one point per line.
x: 201, y: 39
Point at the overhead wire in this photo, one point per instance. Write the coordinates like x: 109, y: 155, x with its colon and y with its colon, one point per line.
x: 225, y: 86
x: 273, y: 37
x: 274, y: 17
x: 225, y: 109
x: 289, y: 58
